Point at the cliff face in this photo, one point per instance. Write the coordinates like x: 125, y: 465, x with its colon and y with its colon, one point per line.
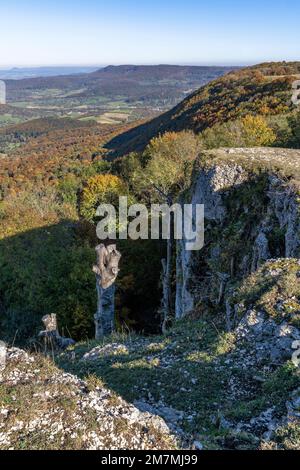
x: 251, y: 215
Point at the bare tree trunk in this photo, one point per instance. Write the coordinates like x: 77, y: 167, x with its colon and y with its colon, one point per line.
x: 105, y: 314
x: 98, y: 315
x: 106, y: 271
x: 51, y: 336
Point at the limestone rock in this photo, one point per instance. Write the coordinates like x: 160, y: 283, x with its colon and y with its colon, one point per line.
x: 228, y: 186
x: 62, y: 411
x: 267, y: 340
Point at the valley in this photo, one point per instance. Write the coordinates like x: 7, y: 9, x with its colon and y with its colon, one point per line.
x: 134, y: 92
x: 213, y: 367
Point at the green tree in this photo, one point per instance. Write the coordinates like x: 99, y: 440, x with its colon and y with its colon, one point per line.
x: 165, y: 171
x: 294, y: 125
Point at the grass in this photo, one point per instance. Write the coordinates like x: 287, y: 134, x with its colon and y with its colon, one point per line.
x: 188, y: 370
x: 272, y: 392
x: 275, y: 289
x: 44, y: 410
x: 166, y: 367
x: 283, y: 162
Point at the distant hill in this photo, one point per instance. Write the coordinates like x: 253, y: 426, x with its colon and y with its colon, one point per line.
x: 159, y: 72
x: 262, y: 89
x: 163, y: 85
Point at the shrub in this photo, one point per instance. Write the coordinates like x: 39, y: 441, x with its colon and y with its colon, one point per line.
x: 250, y: 131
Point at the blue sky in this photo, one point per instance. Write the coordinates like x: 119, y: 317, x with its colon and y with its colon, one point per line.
x: 98, y: 32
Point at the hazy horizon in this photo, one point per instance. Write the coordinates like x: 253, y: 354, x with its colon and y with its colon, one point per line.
x: 95, y: 65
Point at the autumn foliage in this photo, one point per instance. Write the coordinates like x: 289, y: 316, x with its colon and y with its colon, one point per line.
x: 100, y: 189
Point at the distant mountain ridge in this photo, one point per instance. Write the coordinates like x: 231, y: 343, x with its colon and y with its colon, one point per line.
x: 136, y: 83
x: 160, y: 71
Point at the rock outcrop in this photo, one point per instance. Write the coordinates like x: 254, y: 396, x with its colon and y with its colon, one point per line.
x: 269, y: 341
x: 251, y: 215
x: 47, y: 408
x: 265, y: 309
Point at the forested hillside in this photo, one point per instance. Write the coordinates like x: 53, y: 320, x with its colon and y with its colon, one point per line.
x: 47, y: 164
x: 259, y: 90
x: 204, y: 339
x: 135, y: 82
x: 111, y: 95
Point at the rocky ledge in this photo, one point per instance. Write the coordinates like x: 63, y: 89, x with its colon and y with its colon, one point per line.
x: 42, y: 407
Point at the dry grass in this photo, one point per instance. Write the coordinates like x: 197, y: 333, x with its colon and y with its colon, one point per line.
x: 283, y: 162
x: 43, y: 408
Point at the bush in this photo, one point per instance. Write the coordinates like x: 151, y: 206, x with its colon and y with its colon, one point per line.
x: 250, y: 131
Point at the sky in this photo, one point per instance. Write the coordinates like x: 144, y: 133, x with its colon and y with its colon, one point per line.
x: 98, y: 32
